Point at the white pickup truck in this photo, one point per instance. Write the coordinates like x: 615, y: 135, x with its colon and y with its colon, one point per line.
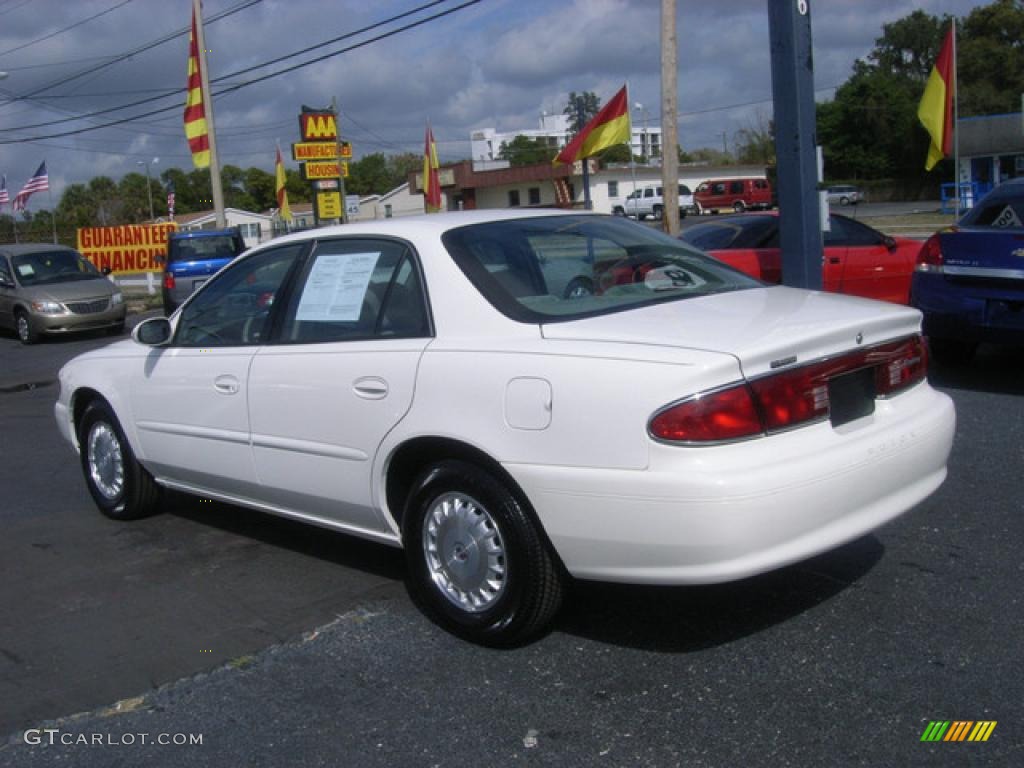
x: 647, y: 201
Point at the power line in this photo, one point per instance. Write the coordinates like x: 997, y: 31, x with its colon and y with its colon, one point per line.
x: 65, y: 29
x: 222, y: 78
x: 254, y: 81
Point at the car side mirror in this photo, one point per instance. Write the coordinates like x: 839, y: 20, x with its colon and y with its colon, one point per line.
x: 6, y: 282
x: 154, y: 332
x: 890, y: 243
x: 106, y: 271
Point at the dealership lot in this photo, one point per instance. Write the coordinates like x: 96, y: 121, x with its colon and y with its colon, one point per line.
x: 841, y: 660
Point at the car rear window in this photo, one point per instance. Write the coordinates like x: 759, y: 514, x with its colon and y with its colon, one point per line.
x: 546, y: 269
x: 203, y: 248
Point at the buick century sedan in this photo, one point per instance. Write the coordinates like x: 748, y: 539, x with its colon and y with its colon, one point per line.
x: 418, y: 382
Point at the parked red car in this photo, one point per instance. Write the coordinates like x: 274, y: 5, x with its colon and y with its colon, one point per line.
x: 859, y: 260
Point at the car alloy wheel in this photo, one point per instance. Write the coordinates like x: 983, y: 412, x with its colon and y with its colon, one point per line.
x: 464, y: 552
x: 120, y: 486
x: 477, y: 561
x: 106, y: 463
x: 24, y: 327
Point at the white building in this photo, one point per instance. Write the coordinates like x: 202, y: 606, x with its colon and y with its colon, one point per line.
x: 554, y: 129
x: 255, y: 227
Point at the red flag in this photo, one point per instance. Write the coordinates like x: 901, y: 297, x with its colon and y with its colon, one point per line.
x: 609, y: 127
x: 196, y: 130
x: 431, y: 175
x: 936, y: 108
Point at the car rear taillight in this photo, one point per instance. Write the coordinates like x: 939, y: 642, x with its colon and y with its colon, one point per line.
x: 168, y: 281
x: 929, y: 258
x: 791, y: 398
x: 710, y: 417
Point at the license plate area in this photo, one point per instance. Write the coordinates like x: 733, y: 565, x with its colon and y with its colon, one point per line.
x: 851, y: 396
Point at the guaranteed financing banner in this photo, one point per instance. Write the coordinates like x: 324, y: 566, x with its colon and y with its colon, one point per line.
x: 127, y: 249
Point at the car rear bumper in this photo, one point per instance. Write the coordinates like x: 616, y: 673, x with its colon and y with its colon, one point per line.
x: 716, y: 514
x: 968, y: 312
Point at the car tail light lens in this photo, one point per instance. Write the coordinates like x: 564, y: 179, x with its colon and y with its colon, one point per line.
x: 929, y: 258
x: 788, y: 399
x: 168, y: 281
x: 727, y: 414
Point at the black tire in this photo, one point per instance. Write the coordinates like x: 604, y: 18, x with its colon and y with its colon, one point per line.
x: 618, y: 210
x: 952, y: 353
x: 27, y: 334
x: 682, y: 213
x: 579, y: 287
x: 739, y: 206
x: 121, y: 488
x: 658, y: 213
x: 116, y: 330
x: 520, y: 586
x: 844, y: 200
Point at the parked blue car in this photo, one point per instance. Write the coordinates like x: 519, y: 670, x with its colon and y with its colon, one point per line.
x: 969, y: 278
x: 193, y: 256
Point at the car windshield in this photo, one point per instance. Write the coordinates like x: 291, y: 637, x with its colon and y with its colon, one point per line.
x: 47, y: 267
x: 568, y: 267
x: 204, y: 247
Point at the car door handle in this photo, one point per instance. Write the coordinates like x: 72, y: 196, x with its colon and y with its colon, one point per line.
x: 226, y: 384
x: 834, y: 260
x: 370, y: 388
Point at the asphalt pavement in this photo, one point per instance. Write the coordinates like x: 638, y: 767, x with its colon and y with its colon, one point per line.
x: 274, y: 644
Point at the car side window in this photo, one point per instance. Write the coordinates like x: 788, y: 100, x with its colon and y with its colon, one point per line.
x: 234, y: 308
x: 846, y: 232
x: 356, y: 289
x: 998, y: 213
x: 736, y: 187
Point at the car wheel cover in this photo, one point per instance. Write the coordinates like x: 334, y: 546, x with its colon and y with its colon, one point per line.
x: 464, y: 552
x: 579, y: 290
x: 106, y: 463
x: 23, y: 328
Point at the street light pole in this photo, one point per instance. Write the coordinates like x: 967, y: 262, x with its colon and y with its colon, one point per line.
x: 149, y: 187
x: 643, y: 140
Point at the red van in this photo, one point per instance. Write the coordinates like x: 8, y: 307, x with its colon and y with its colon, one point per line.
x: 733, y: 194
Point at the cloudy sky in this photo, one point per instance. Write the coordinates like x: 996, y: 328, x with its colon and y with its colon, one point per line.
x: 493, y: 63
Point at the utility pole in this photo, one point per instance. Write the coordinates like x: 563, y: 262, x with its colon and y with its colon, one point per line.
x: 204, y: 77
x: 669, y: 118
x: 789, y: 28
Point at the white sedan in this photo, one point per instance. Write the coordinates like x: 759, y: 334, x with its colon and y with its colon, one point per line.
x: 418, y: 383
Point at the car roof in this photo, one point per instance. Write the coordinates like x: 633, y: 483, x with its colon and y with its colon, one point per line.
x: 435, y: 224
x: 20, y: 249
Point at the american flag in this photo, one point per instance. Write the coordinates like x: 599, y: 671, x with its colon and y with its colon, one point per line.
x: 40, y: 182
x: 4, y: 197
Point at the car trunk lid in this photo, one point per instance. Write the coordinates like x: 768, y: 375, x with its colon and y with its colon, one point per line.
x: 764, y: 328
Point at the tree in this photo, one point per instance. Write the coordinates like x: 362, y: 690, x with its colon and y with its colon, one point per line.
x: 369, y: 176
x: 581, y: 109
x: 619, y: 153
x: 990, y: 59
x: 755, y: 144
x: 523, y: 150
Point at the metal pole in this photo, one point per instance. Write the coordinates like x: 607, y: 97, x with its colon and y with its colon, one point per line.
x: 53, y: 214
x: 789, y: 27
x: 341, y: 176
x: 587, y: 203
x: 149, y: 190
x: 956, y: 137
x: 204, y: 78
x: 669, y: 118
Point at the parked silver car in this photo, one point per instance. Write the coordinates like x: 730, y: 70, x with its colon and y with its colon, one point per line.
x: 53, y: 289
x: 845, y: 194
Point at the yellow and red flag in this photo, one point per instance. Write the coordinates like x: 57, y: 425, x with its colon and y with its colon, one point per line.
x: 196, y: 129
x: 936, y: 108
x: 279, y: 183
x: 431, y: 175
x: 609, y: 127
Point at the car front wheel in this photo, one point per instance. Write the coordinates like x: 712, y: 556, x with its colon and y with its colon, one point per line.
x: 477, y: 563
x: 121, y: 488
x: 739, y: 206
x: 23, y: 325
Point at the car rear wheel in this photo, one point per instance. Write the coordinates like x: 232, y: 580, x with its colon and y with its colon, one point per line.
x: 121, y: 488
x: 658, y: 213
x: 578, y: 288
x: 477, y: 564
x: 739, y: 206
x: 23, y: 325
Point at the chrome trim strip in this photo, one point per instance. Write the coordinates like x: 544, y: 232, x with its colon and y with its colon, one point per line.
x: 308, y: 447
x: 187, y: 430
x: 1006, y: 274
